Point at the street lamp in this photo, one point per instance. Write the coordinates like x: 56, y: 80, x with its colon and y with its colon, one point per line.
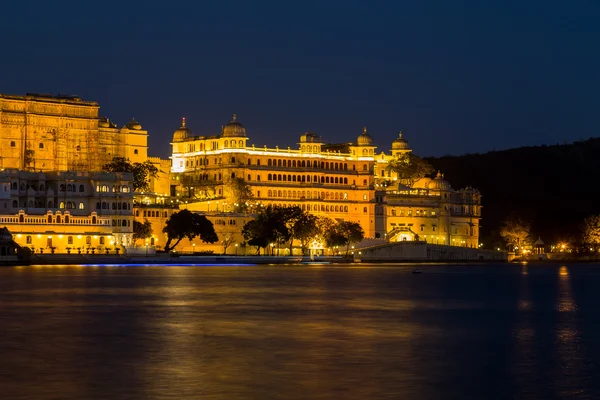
x: 193, y: 248
x: 236, y: 249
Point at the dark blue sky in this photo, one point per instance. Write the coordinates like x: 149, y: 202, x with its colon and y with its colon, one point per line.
x: 455, y: 76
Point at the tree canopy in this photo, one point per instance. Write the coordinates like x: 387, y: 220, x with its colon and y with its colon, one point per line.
x: 591, y: 229
x: 409, y: 167
x: 268, y: 227
x: 185, y: 224
x: 142, y: 230
x: 516, y: 232
x: 343, y: 233
x: 238, y: 195
x: 142, y: 172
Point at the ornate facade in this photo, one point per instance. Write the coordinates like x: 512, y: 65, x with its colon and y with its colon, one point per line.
x: 63, y: 133
x: 348, y: 181
x: 46, y: 210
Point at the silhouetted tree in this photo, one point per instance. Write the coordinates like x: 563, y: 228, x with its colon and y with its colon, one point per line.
x: 185, y: 224
x: 142, y: 230
x: 142, y: 172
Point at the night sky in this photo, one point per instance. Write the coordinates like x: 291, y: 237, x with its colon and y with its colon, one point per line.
x: 454, y: 76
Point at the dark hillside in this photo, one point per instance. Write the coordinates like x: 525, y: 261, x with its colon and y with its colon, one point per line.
x: 553, y: 187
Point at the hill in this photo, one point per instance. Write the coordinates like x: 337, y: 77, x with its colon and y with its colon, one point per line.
x: 553, y: 187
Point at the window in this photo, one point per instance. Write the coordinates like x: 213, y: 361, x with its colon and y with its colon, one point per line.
x: 102, y: 237
x: 28, y: 240
x: 81, y: 206
x: 41, y: 145
x: 88, y: 240
x: 134, y: 152
x: 61, y: 205
x: 13, y: 144
x: 15, y: 204
x: 365, y: 209
x: 70, y: 240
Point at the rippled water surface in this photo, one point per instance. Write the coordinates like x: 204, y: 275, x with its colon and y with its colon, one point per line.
x: 300, y: 332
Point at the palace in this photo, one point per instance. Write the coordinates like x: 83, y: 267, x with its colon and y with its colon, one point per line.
x: 53, y: 195
x: 348, y: 181
x: 61, y: 210
x: 63, y: 133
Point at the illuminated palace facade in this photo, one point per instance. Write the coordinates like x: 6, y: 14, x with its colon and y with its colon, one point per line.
x: 63, y: 133
x: 52, y: 149
x: 347, y: 181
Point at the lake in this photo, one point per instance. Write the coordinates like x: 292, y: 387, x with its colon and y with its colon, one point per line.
x: 300, y: 332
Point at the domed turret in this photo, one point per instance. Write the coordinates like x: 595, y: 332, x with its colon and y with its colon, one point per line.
x: 310, y: 137
x: 439, y: 183
x: 103, y: 122
x: 182, y: 133
x: 133, y: 125
x: 234, y: 129
x: 400, y: 143
x: 364, y: 139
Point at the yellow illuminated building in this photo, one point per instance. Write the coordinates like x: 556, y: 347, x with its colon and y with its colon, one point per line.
x: 63, y: 133
x: 67, y: 210
x: 347, y: 181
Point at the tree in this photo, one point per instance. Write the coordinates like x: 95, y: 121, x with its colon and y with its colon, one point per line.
x: 268, y: 227
x: 410, y: 168
x: 515, y: 232
x: 227, y: 239
x: 185, y: 224
x: 142, y: 172
x: 342, y: 233
x: 238, y: 195
x: 197, y: 188
x: 306, y: 229
x: 142, y: 230
x: 591, y: 229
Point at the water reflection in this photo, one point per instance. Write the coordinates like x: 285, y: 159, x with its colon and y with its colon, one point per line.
x: 293, y: 332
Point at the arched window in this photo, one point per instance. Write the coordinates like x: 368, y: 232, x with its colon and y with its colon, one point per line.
x: 58, y: 219
x: 49, y: 219
x: 15, y: 204
x: 88, y: 240
x: 41, y: 145
x: 94, y: 220
x: 233, y: 143
x: 70, y: 240
x: 61, y: 187
x: 135, y: 151
x: 365, y: 209
x: 124, y: 222
x: 66, y: 219
x: 365, y: 182
x: 364, y: 167
x: 28, y: 240
x: 104, y: 205
x: 13, y: 144
x: 124, y: 206
x: 42, y: 187
x: 227, y: 143
x: 233, y: 160
x: 61, y: 205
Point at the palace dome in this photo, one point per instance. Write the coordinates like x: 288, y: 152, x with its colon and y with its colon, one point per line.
x: 310, y: 137
x: 134, y: 125
x: 182, y: 133
x: 439, y: 183
x: 234, y: 129
x: 364, y: 139
x: 400, y: 143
